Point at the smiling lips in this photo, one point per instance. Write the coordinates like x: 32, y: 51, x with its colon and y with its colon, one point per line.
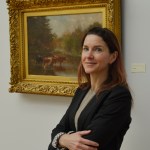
x: 90, y: 63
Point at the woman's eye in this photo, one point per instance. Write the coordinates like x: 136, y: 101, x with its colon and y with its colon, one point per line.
x: 98, y: 49
x: 85, y: 49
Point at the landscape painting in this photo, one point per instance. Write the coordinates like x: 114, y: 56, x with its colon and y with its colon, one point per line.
x: 54, y: 42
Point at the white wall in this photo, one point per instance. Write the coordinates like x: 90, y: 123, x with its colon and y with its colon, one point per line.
x: 27, y: 120
x: 136, y: 31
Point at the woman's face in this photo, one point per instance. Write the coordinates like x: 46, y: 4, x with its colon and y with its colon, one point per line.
x: 95, y: 55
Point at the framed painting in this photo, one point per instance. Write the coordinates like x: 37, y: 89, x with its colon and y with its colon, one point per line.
x: 45, y: 37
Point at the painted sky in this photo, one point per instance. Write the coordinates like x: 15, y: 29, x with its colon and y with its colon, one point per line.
x: 62, y: 23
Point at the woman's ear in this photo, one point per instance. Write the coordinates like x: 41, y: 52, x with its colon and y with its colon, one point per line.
x: 114, y: 56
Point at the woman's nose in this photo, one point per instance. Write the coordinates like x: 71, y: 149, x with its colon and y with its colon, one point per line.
x: 90, y: 54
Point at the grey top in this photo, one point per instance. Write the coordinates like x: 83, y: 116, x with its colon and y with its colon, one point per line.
x: 83, y: 104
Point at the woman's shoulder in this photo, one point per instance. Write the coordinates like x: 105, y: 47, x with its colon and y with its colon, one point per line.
x: 120, y: 89
x: 121, y: 92
x: 82, y: 87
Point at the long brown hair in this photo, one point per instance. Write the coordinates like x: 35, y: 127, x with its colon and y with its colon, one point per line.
x: 116, y: 74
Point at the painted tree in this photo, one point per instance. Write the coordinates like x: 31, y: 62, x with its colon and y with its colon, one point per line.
x: 40, y: 35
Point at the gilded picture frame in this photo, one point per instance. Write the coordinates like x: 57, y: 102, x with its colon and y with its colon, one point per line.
x: 45, y: 37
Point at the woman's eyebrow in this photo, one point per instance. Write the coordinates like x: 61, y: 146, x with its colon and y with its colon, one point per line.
x: 84, y: 46
x: 98, y: 46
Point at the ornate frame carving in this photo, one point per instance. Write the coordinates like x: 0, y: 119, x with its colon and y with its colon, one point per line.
x: 19, y: 82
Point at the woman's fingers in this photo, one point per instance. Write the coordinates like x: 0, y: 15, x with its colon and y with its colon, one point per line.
x: 86, y: 147
x: 83, y: 147
x: 89, y: 142
x: 86, y: 141
x: 85, y: 132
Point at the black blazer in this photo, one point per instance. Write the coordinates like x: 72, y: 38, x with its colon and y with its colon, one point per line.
x: 106, y: 115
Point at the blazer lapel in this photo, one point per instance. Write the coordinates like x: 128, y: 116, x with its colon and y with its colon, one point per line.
x: 78, y: 99
x: 91, y: 109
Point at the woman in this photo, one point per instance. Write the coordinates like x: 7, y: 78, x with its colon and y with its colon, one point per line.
x: 99, y: 114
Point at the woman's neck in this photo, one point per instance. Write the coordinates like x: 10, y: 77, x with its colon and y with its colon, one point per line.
x: 97, y: 81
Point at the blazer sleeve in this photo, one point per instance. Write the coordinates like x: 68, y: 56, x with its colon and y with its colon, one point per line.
x: 111, y: 117
x: 63, y: 125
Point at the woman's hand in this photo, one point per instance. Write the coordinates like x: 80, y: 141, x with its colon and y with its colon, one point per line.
x: 75, y: 141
